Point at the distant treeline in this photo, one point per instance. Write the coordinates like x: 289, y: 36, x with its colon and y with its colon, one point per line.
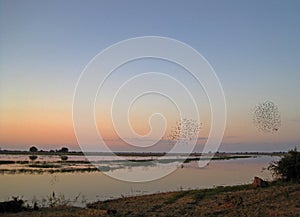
x: 40, y: 152
x: 65, y: 150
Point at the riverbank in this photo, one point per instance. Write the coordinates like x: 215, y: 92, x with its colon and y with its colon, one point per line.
x: 279, y: 199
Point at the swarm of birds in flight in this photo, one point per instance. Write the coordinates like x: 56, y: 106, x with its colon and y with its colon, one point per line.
x: 266, y: 117
x: 185, y: 130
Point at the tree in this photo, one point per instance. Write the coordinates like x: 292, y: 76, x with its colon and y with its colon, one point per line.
x: 64, y: 150
x: 33, y: 149
x: 288, y: 167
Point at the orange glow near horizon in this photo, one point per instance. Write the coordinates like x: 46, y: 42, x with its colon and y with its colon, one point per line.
x: 53, y: 126
x: 37, y: 128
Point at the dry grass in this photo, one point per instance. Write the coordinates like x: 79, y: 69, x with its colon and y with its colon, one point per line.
x: 276, y: 200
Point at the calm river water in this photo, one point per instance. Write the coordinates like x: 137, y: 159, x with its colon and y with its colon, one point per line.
x: 93, y: 186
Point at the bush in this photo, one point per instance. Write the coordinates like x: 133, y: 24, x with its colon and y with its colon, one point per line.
x: 288, y: 167
x: 33, y: 149
x: 63, y: 150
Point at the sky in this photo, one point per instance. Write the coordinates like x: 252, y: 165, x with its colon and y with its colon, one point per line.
x: 253, y: 46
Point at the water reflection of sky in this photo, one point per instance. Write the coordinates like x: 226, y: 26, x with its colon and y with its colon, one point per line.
x: 83, y: 158
x: 96, y: 185
x: 137, y: 164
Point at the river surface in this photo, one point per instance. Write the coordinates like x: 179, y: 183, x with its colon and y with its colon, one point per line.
x: 83, y: 187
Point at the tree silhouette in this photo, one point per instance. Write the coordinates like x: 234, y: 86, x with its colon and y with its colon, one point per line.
x: 63, y: 150
x: 288, y: 167
x: 33, y: 149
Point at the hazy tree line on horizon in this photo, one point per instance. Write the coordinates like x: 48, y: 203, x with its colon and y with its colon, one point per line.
x: 35, y: 150
x: 62, y: 150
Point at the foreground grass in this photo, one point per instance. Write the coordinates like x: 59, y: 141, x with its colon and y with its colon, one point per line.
x: 277, y: 200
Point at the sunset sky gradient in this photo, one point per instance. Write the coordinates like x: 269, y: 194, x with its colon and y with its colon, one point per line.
x: 253, y: 47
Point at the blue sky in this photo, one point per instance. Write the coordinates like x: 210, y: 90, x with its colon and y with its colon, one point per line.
x: 252, y: 45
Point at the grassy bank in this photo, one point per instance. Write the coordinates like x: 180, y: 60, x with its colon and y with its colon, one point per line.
x: 279, y: 199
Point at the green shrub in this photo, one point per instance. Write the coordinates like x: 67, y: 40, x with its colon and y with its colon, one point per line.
x: 288, y: 167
